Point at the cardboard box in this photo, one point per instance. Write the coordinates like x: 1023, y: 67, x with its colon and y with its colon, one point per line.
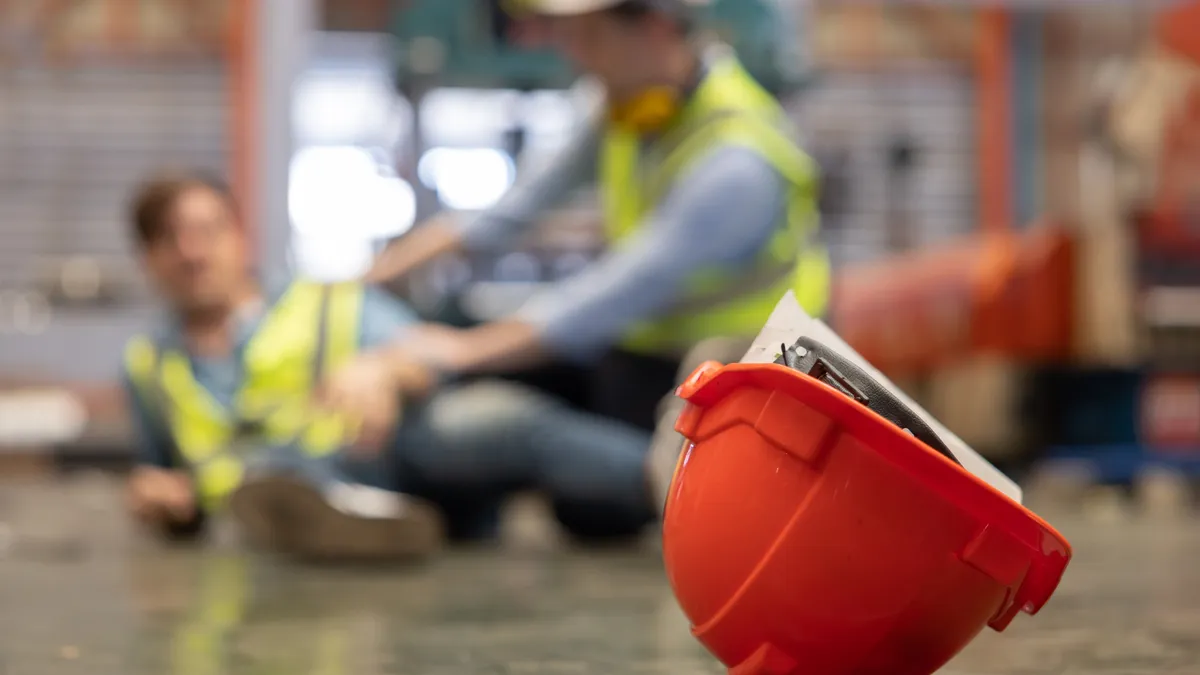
x: 980, y: 400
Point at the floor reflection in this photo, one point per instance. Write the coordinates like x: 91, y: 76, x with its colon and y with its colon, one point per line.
x: 210, y: 613
x: 1130, y: 604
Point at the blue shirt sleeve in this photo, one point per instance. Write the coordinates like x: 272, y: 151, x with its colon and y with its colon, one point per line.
x: 384, y: 318
x: 155, y: 447
x: 718, y: 215
x: 536, y: 192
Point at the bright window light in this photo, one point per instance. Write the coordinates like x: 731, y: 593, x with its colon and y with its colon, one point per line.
x: 331, y: 258
x: 467, y: 117
x: 333, y: 106
x: 341, y: 202
x: 321, y: 187
x: 397, y: 207
x: 467, y: 179
x: 342, y: 190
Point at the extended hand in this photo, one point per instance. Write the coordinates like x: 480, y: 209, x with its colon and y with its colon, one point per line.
x: 498, y: 347
x: 431, y: 239
x: 366, y: 391
x: 444, y: 347
x: 156, y: 495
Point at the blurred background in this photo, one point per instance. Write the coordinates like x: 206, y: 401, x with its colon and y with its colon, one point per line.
x: 1011, y: 195
x: 1011, y: 190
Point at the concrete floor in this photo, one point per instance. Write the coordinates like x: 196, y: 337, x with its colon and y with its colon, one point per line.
x: 80, y: 593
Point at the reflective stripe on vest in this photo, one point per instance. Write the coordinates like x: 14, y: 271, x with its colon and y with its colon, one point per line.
x: 728, y: 108
x: 312, y: 329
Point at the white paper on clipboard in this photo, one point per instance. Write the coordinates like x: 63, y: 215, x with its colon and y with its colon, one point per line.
x: 789, y: 323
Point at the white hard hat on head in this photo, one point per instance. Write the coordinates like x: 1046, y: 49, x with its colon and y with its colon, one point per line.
x: 575, y: 7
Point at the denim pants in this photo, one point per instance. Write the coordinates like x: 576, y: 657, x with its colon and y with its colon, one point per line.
x: 468, y: 447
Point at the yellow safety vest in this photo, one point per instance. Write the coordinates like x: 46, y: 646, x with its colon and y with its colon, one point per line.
x: 311, y: 330
x: 728, y: 107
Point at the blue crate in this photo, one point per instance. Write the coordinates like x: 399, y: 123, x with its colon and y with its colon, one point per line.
x: 1121, y: 463
x: 1075, y: 407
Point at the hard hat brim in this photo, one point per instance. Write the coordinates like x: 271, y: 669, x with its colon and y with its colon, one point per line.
x: 578, y: 7
x: 565, y: 7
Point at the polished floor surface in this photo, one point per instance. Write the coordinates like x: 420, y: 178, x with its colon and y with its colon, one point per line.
x: 79, y: 593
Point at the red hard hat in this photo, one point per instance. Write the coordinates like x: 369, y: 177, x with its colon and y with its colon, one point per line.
x: 804, y: 533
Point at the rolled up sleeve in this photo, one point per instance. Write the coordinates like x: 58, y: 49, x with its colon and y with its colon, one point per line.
x: 718, y: 215
x: 384, y: 320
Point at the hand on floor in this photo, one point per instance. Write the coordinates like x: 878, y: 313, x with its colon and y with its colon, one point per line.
x: 155, y: 496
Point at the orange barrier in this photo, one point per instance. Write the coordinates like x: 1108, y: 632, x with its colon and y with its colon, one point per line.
x: 1004, y: 293
x: 241, y: 36
x: 994, y: 126
x: 1178, y: 30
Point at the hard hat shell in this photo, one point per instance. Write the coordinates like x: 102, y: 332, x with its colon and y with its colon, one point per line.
x: 804, y: 533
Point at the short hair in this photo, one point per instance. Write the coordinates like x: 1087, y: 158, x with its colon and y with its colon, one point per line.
x: 631, y: 9
x: 635, y: 10
x: 153, y: 200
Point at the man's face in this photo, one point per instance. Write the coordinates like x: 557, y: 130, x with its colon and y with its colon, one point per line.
x: 199, y: 260
x: 607, y: 47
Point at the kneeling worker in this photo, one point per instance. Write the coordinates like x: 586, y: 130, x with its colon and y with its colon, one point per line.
x: 258, y: 401
x: 708, y: 206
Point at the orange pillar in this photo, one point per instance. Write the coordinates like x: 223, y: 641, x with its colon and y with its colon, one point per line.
x: 1179, y: 30
x: 994, y: 123
x: 1178, y: 35
x: 242, y: 59
x: 123, y: 23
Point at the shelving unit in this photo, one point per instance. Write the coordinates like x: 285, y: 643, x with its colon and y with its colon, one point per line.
x: 96, y: 94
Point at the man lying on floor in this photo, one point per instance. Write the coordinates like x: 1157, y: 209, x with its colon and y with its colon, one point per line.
x: 276, y: 405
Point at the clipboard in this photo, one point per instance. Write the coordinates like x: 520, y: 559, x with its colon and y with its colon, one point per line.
x: 789, y: 322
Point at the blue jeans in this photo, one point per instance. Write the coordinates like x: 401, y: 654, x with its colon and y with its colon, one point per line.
x: 467, y: 448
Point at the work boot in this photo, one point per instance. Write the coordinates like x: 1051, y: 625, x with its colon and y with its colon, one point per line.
x: 342, y: 522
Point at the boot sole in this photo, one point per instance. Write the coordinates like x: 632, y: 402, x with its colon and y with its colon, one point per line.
x: 294, y: 518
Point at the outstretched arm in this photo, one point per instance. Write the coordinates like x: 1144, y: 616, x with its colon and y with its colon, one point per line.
x: 533, y: 194
x: 720, y: 215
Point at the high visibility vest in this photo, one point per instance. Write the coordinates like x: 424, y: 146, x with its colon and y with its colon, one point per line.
x: 728, y: 108
x: 311, y: 330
